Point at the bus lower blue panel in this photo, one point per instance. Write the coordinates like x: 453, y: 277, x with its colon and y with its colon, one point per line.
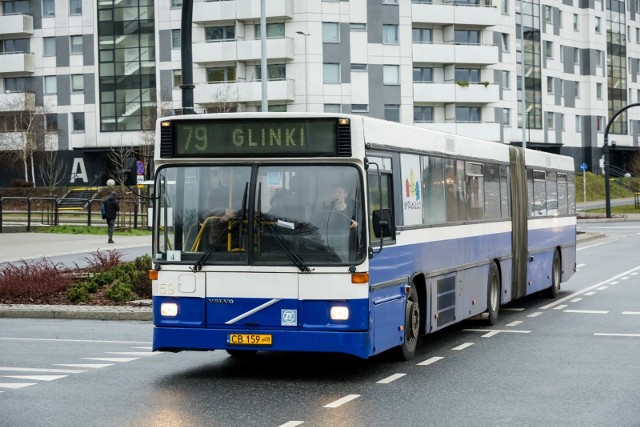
x: 172, y: 339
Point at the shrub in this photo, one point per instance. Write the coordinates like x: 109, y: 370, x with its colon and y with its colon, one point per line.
x: 33, y: 280
x: 78, y: 294
x: 119, y: 291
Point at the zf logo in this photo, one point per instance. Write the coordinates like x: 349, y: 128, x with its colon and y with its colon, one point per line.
x: 289, y: 317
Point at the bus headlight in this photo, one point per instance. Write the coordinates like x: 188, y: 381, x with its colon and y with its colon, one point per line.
x: 169, y: 309
x: 339, y: 313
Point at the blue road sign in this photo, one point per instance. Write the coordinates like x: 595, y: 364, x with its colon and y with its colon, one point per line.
x: 140, y: 167
x: 583, y: 167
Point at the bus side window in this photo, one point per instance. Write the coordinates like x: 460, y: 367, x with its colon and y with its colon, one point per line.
x: 379, y: 215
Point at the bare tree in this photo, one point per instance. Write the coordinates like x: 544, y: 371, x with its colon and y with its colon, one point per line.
x: 634, y: 164
x: 52, y: 170
x: 225, y: 99
x: 120, y: 156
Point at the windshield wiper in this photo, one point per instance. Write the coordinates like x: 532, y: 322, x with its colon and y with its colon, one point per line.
x: 205, y: 256
x: 277, y: 236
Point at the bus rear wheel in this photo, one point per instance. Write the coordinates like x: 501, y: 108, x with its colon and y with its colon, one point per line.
x: 493, y: 294
x: 407, y: 349
x: 556, y: 276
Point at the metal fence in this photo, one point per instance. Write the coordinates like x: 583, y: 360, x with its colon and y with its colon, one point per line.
x: 46, y: 211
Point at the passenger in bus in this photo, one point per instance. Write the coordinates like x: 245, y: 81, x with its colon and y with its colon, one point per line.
x: 279, y: 203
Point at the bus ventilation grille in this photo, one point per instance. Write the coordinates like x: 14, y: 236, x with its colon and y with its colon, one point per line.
x: 166, y: 147
x: 446, y: 300
x: 344, y: 140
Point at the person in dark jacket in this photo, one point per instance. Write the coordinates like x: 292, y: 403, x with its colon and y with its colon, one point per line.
x: 111, y: 207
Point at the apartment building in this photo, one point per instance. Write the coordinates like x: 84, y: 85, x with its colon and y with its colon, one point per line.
x: 84, y: 78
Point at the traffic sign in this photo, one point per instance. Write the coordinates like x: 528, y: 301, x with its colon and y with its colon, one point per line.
x: 140, y: 167
x: 583, y: 167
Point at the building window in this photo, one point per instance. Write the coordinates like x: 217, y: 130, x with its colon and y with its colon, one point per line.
x: 578, y: 123
x: 506, y: 117
x: 357, y: 26
x: 422, y: 35
x: 576, y: 22
x: 274, y: 71
x: 331, y: 73
x: 467, y: 37
x: 75, y: 7
x: 330, y: 32
x: 359, y: 108
x: 392, y: 112
x: 549, y: 120
x: 423, y: 74
x: 469, y: 75
x: 600, y: 123
x: 577, y: 88
x: 468, y: 114
x: 549, y: 85
x: 48, y: 8
x: 221, y: 74
x: 548, y: 14
x: 78, y: 122
x: 76, y: 45
x: 50, y: 122
x: 177, y: 78
x: 390, y: 34
x: 77, y: 83
x: 274, y: 31
x: 598, y: 25
x: 358, y: 67
x: 15, y: 45
x: 48, y: 46
x: 576, y: 56
x: 275, y: 108
x: 175, y: 39
x: 15, y: 7
x: 504, y: 39
x: 391, y: 74
x: 389, y: 1
x: 548, y: 50
x: 50, y: 85
x: 15, y: 84
x: 599, y: 58
x: 504, y: 7
x: 506, y: 79
x: 422, y: 114
x: 176, y: 4
x: 227, y: 32
x: 332, y: 108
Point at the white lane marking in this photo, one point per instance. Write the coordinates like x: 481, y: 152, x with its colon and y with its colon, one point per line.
x: 291, y: 424
x: 575, y: 294
x: 143, y: 348
x: 512, y: 309
x: 489, y: 334
x: 133, y: 353
x: 112, y: 359
x: 35, y: 377
x: 429, y: 361
x: 614, y: 283
x: 580, y: 265
x: 631, y: 312
x: 590, y: 293
x: 624, y: 278
x: 587, y: 311
x: 602, y: 288
x: 576, y: 300
x: 462, y: 346
x: 560, y: 307
x: 85, y: 365
x: 616, y: 335
x: 15, y: 385
x: 390, y: 378
x: 342, y: 401
x: 66, y: 340
x: 634, y: 273
x: 514, y: 323
x: 535, y: 314
x: 50, y: 371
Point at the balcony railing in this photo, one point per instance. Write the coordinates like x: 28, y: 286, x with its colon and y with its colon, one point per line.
x: 16, y: 62
x: 17, y: 101
x: 243, y: 91
x: 16, y: 25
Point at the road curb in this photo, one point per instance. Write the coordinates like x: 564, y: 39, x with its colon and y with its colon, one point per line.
x: 74, y: 312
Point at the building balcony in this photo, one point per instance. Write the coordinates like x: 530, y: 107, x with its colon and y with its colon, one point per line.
x: 482, y: 14
x: 479, y: 130
x: 442, y: 53
x: 14, y: 141
x: 16, y: 25
x: 242, y: 50
x: 477, y: 93
x: 213, y: 11
x: 243, y: 91
x: 17, y: 101
x: 16, y: 62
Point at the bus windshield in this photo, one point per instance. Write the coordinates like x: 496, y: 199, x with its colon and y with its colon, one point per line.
x: 298, y: 215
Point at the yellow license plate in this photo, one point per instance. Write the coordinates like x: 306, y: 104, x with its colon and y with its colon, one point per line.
x: 249, y: 339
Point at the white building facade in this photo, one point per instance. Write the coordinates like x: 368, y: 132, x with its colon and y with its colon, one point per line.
x: 101, y: 72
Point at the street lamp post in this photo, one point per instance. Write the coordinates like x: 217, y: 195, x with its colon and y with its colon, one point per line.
x: 306, y: 74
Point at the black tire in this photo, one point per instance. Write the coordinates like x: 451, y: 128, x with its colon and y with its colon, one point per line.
x: 407, y: 350
x: 493, y: 294
x: 556, y: 276
x: 242, y: 354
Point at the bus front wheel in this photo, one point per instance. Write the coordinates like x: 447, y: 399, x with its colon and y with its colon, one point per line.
x: 493, y: 294
x: 407, y: 349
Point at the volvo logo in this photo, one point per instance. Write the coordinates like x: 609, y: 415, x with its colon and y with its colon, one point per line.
x: 220, y: 301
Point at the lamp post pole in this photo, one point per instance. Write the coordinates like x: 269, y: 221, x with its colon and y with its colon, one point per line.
x: 306, y: 74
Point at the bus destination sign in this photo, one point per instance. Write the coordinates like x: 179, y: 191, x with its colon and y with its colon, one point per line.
x: 255, y: 138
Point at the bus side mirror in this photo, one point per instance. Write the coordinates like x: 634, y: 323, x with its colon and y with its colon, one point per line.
x: 383, y: 223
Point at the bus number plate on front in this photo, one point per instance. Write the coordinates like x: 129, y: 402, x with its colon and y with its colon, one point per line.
x: 249, y: 339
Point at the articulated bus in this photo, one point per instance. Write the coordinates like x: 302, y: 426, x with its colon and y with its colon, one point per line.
x: 343, y: 233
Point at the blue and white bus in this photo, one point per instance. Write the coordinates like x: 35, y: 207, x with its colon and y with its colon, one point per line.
x: 253, y: 250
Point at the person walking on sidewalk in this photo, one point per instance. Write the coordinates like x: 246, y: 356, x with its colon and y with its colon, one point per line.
x: 111, y: 208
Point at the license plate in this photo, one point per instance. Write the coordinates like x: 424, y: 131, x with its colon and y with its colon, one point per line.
x: 249, y: 339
